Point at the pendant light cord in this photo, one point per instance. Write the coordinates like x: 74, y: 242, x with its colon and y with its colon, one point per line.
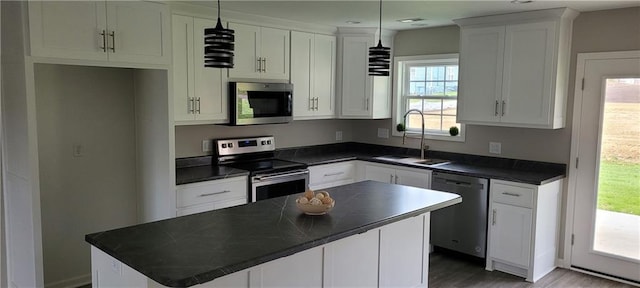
x: 219, y: 8
x: 379, y: 35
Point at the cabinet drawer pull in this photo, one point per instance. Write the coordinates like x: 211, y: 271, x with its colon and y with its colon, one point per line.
x: 113, y: 41
x: 493, y: 221
x: 511, y: 194
x: 104, y: 41
x: 333, y: 174
x: 214, y: 193
x: 496, y: 109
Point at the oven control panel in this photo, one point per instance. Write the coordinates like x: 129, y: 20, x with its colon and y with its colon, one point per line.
x: 245, y: 145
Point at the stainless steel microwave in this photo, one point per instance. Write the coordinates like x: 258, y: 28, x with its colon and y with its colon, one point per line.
x: 260, y: 103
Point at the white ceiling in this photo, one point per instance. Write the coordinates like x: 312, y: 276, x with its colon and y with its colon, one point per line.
x: 436, y: 13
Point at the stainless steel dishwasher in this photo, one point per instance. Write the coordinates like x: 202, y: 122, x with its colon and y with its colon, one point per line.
x: 461, y: 227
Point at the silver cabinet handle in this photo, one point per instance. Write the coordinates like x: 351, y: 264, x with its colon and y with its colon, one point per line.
x: 264, y: 65
x: 493, y: 221
x: 104, y: 41
x: 310, y: 103
x: 214, y: 193
x: 191, y: 106
x: 366, y: 104
x: 333, y: 174
x: 511, y: 194
x: 259, y: 64
x: 316, y: 104
x: 396, y: 179
x: 496, y: 109
x: 390, y: 178
x: 113, y: 41
x: 504, y: 107
x: 198, y: 106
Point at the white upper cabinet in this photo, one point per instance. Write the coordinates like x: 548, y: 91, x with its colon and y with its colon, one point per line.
x: 313, y: 58
x: 514, y: 69
x: 199, y: 93
x: 361, y: 96
x: 260, y: 52
x: 122, y: 32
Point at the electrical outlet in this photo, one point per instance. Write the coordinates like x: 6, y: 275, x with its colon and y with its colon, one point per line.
x: 383, y: 133
x: 78, y: 150
x: 338, y: 135
x: 495, y: 147
x: 206, y: 145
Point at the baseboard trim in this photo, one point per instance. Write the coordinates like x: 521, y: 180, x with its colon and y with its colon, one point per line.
x: 605, y: 276
x: 71, y: 282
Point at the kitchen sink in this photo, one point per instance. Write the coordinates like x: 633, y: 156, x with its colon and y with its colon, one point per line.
x: 412, y: 160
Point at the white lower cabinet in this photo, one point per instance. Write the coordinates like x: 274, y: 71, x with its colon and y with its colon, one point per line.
x: 404, y: 253
x: 210, y: 195
x: 523, y: 228
x: 420, y: 178
x: 352, y: 261
x: 331, y: 175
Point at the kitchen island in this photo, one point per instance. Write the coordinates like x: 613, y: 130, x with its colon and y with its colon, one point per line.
x: 376, y: 235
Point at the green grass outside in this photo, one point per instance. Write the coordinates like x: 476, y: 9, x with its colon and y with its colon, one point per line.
x: 619, y: 187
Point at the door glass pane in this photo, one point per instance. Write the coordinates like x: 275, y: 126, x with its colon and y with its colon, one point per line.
x: 617, y: 229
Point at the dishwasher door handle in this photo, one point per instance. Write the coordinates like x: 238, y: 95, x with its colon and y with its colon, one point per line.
x: 458, y: 183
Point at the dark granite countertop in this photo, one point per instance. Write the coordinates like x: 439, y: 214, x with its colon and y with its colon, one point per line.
x: 199, y: 169
x: 523, y: 171
x: 198, y: 248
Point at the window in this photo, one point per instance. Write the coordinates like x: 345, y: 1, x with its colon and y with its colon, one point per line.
x: 429, y: 84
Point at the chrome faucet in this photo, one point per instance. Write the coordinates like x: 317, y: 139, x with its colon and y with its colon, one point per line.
x: 404, y: 132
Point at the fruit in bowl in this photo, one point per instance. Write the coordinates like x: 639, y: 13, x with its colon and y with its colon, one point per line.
x: 312, y: 203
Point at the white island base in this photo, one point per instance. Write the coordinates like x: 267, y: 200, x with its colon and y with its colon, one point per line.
x: 394, y: 255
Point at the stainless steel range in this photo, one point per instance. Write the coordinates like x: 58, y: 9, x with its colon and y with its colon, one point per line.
x: 269, y: 177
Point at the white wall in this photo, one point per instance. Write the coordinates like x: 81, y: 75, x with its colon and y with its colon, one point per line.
x: 297, y: 133
x: 93, y: 108
x: 21, y: 191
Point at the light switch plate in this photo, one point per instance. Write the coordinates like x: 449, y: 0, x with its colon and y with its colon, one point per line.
x: 338, y: 135
x: 495, y: 147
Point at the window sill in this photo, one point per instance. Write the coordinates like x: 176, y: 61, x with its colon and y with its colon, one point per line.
x: 440, y: 137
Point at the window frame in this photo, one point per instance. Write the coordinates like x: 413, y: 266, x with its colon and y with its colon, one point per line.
x: 401, y: 67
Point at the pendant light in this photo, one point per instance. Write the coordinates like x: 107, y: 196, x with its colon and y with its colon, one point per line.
x: 379, y: 56
x: 218, y: 45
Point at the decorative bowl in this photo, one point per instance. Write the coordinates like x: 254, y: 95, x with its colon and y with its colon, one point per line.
x: 319, y: 209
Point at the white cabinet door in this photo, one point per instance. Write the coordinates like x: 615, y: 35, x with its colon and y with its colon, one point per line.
x: 510, y: 234
x: 210, y: 89
x: 274, y: 49
x: 481, y: 68
x: 247, y: 51
x: 353, y: 261
x: 380, y: 174
x: 69, y: 30
x: 420, y: 179
x: 182, y: 31
x: 401, y: 253
x: 302, y: 269
x: 331, y: 175
x: 324, y: 73
x: 356, y: 83
x: 302, y: 76
x: 139, y: 32
x: 528, y: 69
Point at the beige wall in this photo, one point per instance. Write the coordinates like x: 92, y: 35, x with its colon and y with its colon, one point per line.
x: 297, y: 133
x: 92, y: 107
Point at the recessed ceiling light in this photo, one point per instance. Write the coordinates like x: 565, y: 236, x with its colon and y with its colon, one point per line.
x: 410, y: 20
x: 419, y: 24
x: 521, y: 1
x: 353, y: 22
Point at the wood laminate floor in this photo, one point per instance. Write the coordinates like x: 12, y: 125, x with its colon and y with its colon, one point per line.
x: 451, y: 270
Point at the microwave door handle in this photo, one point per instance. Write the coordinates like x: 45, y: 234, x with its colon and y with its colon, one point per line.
x: 289, y: 103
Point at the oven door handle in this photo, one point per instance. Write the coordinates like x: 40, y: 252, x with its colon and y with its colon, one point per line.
x: 283, y: 175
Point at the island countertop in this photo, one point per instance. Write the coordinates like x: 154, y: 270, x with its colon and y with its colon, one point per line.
x: 195, y: 249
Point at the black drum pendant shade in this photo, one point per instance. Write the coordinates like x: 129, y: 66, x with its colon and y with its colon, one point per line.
x: 218, y: 45
x: 379, y: 56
